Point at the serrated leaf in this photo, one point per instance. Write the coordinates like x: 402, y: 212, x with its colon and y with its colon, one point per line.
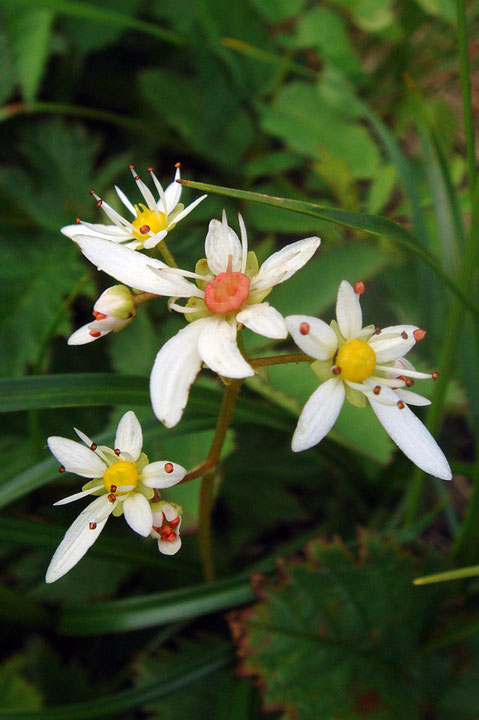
x: 29, y: 34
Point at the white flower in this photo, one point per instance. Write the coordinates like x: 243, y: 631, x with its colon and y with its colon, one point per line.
x: 229, y: 293
x: 122, y: 478
x: 362, y: 363
x: 166, y: 527
x: 114, y: 310
x: 151, y: 221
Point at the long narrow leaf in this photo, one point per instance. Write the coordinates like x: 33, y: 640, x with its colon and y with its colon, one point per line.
x: 373, y: 224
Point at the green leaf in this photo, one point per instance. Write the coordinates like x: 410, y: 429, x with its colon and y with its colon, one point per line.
x: 179, y: 675
x: 335, y: 618
x: 276, y: 11
x: 29, y: 34
x: 16, y: 693
x: 301, y: 116
x: 373, y: 224
x: 459, y: 574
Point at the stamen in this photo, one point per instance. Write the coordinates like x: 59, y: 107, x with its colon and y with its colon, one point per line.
x: 174, y: 523
x: 131, y: 167
x: 117, y: 452
x: 150, y: 169
x: 98, y: 315
x: 409, y: 382
x: 336, y: 370
x: 419, y: 334
x: 358, y: 287
x: 377, y: 330
x: 145, y: 229
x: 61, y: 469
x: 137, y: 177
x: 77, y: 220
x: 168, y: 467
x: 404, y: 335
x: 435, y: 375
x: 92, y: 525
x: 92, y: 192
x: 95, y: 333
x: 377, y: 389
x: 93, y: 446
x: 400, y: 404
x: 99, y: 202
x: 304, y: 328
x: 112, y: 497
x: 177, y: 165
x: 113, y: 488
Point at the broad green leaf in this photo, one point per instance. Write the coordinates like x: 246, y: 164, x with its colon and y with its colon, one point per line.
x: 16, y: 692
x: 80, y: 29
x: 179, y: 676
x: 276, y: 11
x: 373, y: 224
x: 373, y: 15
x: 335, y: 618
x: 29, y: 34
x: 302, y: 118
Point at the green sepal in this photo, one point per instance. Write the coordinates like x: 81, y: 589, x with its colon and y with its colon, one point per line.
x: 142, y: 462
x: 252, y: 264
x: 145, y: 491
x: 335, y: 327
x: 322, y: 369
x: 356, y: 398
x: 171, y: 217
x: 202, y: 268
x: 118, y: 509
x: 202, y: 311
x: 258, y: 297
x: 92, y: 483
x: 367, y: 332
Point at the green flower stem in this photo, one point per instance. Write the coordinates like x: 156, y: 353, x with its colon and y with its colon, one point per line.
x: 143, y: 297
x: 205, y: 539
x: 167, y: 256
x: 281, y: 359
x: 452, y: 333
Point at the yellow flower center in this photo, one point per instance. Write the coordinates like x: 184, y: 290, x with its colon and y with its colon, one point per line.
x: 357, y: 360
x: 120, y: 474
x: 147, y: 221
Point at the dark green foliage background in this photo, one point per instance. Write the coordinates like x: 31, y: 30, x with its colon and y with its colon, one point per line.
x: 351, y: 105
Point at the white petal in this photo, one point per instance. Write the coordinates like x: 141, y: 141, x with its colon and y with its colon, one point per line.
x: 174, y: 370
x: 173, y: 193
x: 221, y: 241
x: 88, y: 441
x: 412, y: 437
x: 320, y: 341
x: 390, y: 344
x: 78, y: 539
x: 348, y: 311
x: 187, y: 210
x: 264, y: 320
x: 76, y: 458
x: 155, y: 239
x: 283, y: 264
x: 412, y: 398
x: 95, y: 230
x: 125, y: 201
x: 319, y: 415
x: 218, y: 348
x: 137, y: 511
x: 133, y: 268
x: 169, y: 548
x: 154, y: 475
x: 129, y: 438
x: 78, y: 495
x: 402, y: 370
x: 82, y: 335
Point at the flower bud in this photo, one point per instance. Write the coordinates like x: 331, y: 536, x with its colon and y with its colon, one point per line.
x: 166, y: 526
x: 114, y: 310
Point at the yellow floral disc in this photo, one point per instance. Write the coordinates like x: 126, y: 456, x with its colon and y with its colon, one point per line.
x: 357, y: 360
x: 120, y: 474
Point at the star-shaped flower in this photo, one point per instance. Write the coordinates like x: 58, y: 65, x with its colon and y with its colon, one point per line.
x: 229, y: 292
x: 123, y: 479
x: 364, y: 363
x: 151, y: 222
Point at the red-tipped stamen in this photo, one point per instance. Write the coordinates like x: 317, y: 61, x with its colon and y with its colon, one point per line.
x: 336, y: 370
x: 61, y: 469
x: 92, y: 525
x: 404, y: 335
x: 99, y: 315
x: 93, y: 446
x: 358, y: 287
x: 111, y: 497
x: 145, y: 229
x: 117, y: 451
x: 435, y: 375
x: 168, y: 467
x: 95, y: 333
x: 419, y: 334
x: 304, y: 328
x: 377, y: 389
x: 400, y: 404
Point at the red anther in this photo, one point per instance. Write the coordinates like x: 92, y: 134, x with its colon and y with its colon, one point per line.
x: 419, y: 334
x: 409, y: 382
x: 358, y: 287
x: 377, y: 330
x: 93, y: 446
x: 92, y: 525
x: 304, y: 328
x: 168, y: 467
x: 336, y: 370
x: 95, y: 333
x: 174, y: 523
x: 117, y: 451
x: 111, y: 497
x: 98, y: 315
x: 61, y: 469
x: 402, y: 377
x: 435, y: 375
x: 404, y: 335
x: 177, y: 165
x: 113, y: 488
x: 150, y: 169
x: 77, y: 220
x: 145, y: 229
x: 92, y: 192
x: 99, y: 202
x: 131, y: 166
x: 137, y: 177
x: 156, y: 528
x: 377, y: 389
x: 400, y: 404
